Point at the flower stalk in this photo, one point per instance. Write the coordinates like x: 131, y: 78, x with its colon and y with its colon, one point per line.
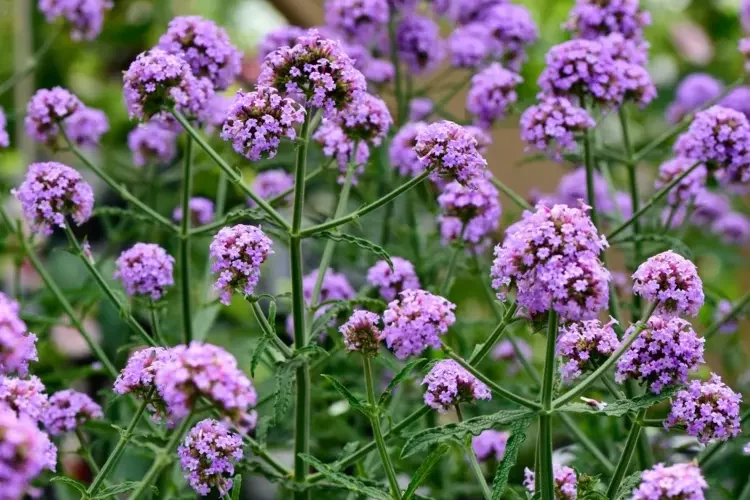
x: 547, y: 477
x: 187, y: 188
x: 473, y: 463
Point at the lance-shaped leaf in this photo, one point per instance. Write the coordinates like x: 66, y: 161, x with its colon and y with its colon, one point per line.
x: 628, y: 485
x: 423, y: 470
x: 402, y: 375
x: 518, y: 431
x: 345, y: 481
x: 360, y: 242
x: 120, y: 488
x: 354, y: 402
x: 622, y: 407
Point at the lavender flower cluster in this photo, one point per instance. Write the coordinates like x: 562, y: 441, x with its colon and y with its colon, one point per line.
x: 585, y: 345
x: 17, y: 344
x: 207, y: 456
x: 449, y: 384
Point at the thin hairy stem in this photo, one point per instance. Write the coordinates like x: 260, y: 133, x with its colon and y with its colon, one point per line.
x: 739, y: 306
x: 268, y: 330
x: 31, y: 64
x: 585, y: 442
x: 626, y: 456
x: 185, y: 291
x: 547, y: 477
x: 515, y: 197
x: 473, y: 463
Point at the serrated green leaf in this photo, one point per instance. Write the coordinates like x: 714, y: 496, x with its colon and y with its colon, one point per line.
x: 366, y: 302
x: 124, y: 487
x: 345, y: 481
x: 628, y: 485
x: 437, y: 435
x: 402, y: 375
x: 310, y: 351
x: 321, y: 322
x: 347, y: 450
x: 236, y: 487
x: 360, y: 242
x: 518, y: 431
x: 668, y: 242
x: 70, y: 482
x: 341, y: 389
x: 260, y: 348
x: 122, y: 212
x: 261, y: 430
x: 272, y: 314
x: 424, y: 469
x: 624, y: 406
x: 282, y: 395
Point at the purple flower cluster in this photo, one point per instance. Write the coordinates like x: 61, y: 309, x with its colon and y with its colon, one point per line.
x: 216, y: 112
x: 207, y: 456
x: 629, y: 50
x: 420, y: 108
x: 572, y: 189
x: 201, y: 211
x: 689, y: 187
x: 67, y: 410
x: 584, y: 346
x: 361, y: 333
x: 158, y: 80
x: 338, y: 145
x: 637, y: 85
x: 419, y: 44
x: 358, y: 20
x: 25, y: 452
x: 490, y: 444
x: 672, y: 281
x: 17, y: 344
x: 551, y: 125
x: 138, y: 375
x: 449, y: 384
x: 738, y: 99
x: 468, y: 46
x: 271, y: 183
x: 335, y: 286
x: 403, y: 156
x: 415, y: 321
x: 683, y: 481
x: 471, y: 215
x: 26, y: 397
x: 205, y: 47
x: 257, y: 121
x: 4, y: 137
x: 511, y: 29
x: 708, y: 207
x: 504, y: 351
x: 284, y: 36
x: 718, y: 135
x: 86, y: 17
x: 450, y: 151
x: 145, y: 269
x: 86, y: 126
x: 391, y: 282
x: 693, y: 93
x: 552, y: 258
x: 237, y: 253
x: 566, y: 482
x: 195, y: 370
x: 733, y: 228
x: 492, y: 92
x: 592, y: 19
x: 316, y: 71
x: 152, y: 142
x: 744, y: 49
x: 51, y: 192
x: 46, y: 110
x: 723, y: 308
x: 710, y: 410
x: 662, y: 355
x: 366, y: 119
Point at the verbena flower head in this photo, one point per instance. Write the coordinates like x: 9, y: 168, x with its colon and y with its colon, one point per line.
x: 25, y: 452
x: 692, y: 93
x: 86, y: 17
x: 338, y: 145
x: 511, y: 30
x: 283, y: 36
x: 146, y: 270
x: 151, y: 142
x: 361, y: 333
x: 26, y: 397
x: 158, y: 80
x: 201, y: 211
x: 316, y: 71
x: 415, y: 321
x: 358, y: 20
x: 551, y: 126
x: 50, y: 193
x: 366, y: 119
x: 207, y: 456
x: 505, y: 351
x: 629, y: 50
x: 392, y: 282
x: 271, y: 183
x: 257, y: 121
x: 579, y: 67
x: 86, y: 126
x: 46, y: 111
x: 469, y: 214
x: 723, y: 308
x: 584, y: 346
x: 4, y: 137
x: 237, y: 253
x: 672, y: 281
x: 419, y: 44
x: 717, y: 135
x: 566, y: 482
x: 592, y: 19
x: 335, y: 286
x: 662, y: 355
x: 551, y: 257
x: 17, y: 344
x: 490, y: 444
x: 709, y: 410
x: 451, y: 151
x: 464, y: 11
x: 483, y: 138
x: 216, y: 112
x: 689, y: 187
x: 138, y: 375
x: 708, y: 207
x: 679, y: 481
x: 492, y: 92
x: 205, y: 47
x: 420, y: 108
x: 572, y: 189
x: 738, y: 99
x: 733, y: 228
x: 449, y: 384
x: 469, y: 46
x: 69, y: 409
x: 403, y: 156
x: 205, y: 370
x: 637, y: 84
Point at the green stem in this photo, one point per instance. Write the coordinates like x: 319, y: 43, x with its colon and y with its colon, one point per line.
x: 745, y: 493
x: 85, y: 452
x: 445, y: 288
x: 635, y: 199
x: 155, y: 324
x: 187, y: 189
x: 587, y: 444
x: 588, y: 150
x: 377, y: 433
x: 411, y: 183
x: 232, y: 173
x: 547, y: 478
x: 736, y: 310
x: 31, y: 65
x: 515, y: 197
x: 268, y: 330
x: 626, y: 456
x: 411, y: 219
x: 474, y: 464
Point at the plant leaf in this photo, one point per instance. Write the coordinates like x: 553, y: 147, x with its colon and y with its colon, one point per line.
x: 518, y: 431
x: 236, y: 487
x: 624, y: 406
x: 122, y: 212
x: 116, y: 489
x: 321, y: 322
x: 628, y: 485
x: 360, y: 242
x: 424, y: 469
x: 260, y: 348
x: 283, y: 392
x: 367, y: 302
x: 345, y: 481
x: 70, y: 482
x: 353, y: 400
x: 402, y: 375
x: 437, y: 435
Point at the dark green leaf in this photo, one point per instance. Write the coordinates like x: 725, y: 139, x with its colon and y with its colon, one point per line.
x: 347, y: 450
x: 518, y: 431
x: 437, y: 435
x: 236, y: 487
x: 260, y: 348
x: 122, y: 212
x: 402, y: 375
x: 360, y: 242
x: 283, y: 392
x: 353, y: 400
x: 366, y: 302
x: 272, y: 315
x: 70, y: 482
x: 624, y: 406
x: 124, y: 487
x: 628, y: 485
x: 424, y: 469
x: 345, y: 481
x: 310, y: 351
x: 321, y: 322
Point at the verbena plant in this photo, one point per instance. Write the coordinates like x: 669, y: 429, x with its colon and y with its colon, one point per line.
x: 367, y: 424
